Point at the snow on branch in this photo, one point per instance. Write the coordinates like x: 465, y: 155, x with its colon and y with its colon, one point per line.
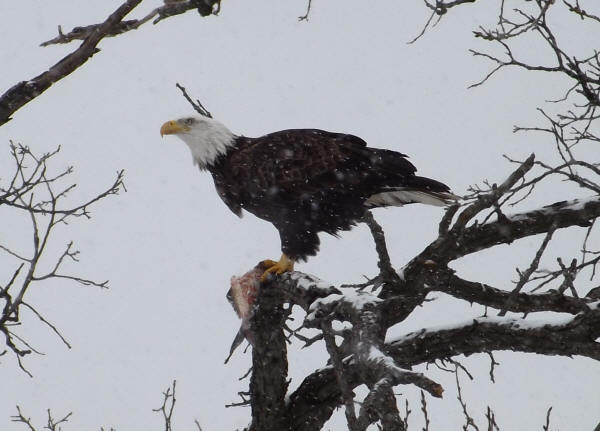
x: 323, y: 304
x: 395, y: 375
x: 460, y: 241
x: 364, y: 358
x: 579, y: 212
x: 572, y: 336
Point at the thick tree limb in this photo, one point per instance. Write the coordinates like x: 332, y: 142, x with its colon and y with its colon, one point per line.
x: 342, y: 381
x: 316, y: 398
x: 489, y: 296
x: 576, y: 336
x: 323, y: 303
x: 578, y: 212
x: 268, y: 383
x: 318, y: 394
x: 481, y: 224
x: 378, y: 370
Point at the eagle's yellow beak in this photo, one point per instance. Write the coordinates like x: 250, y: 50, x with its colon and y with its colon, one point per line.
x: 171, y: 128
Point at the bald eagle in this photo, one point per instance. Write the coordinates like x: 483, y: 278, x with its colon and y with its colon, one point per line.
x: 303, y: 181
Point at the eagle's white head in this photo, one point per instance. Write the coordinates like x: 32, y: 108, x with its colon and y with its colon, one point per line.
x: 206, y: 137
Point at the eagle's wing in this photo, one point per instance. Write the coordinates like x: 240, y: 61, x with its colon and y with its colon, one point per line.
x: 309, y: 161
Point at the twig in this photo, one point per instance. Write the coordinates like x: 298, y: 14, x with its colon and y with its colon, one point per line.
x: 487, y: 200
x: 424, y: 410
x: 170, y: 8
x: 19, y: 417
x: 493, y: 364
x: 32, y: 190
x: 197, y: 105
x: 305, y: 16
x: 491, y: 418
x: 469, y: 422
x: 546, y: 427
x: 53, y: 424
x: 524, y: 277
x: 166, y: 409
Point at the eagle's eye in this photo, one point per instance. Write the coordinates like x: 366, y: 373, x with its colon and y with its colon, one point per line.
x: 188, y: 121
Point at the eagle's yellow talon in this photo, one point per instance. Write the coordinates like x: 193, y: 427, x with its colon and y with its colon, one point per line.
x: 268, y: 263
x: 285, y: 264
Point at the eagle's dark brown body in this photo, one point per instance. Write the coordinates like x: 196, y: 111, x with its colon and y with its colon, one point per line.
x: 307, y: 181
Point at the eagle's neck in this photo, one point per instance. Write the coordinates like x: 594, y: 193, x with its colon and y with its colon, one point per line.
x: 209, y: 143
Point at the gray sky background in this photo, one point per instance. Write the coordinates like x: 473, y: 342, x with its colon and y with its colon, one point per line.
x: 169, y: 245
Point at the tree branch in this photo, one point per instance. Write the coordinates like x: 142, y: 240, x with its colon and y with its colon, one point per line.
x: 25, y: 91
x: 489, y: 296
x: 578, y: 212
x: 319, y: 394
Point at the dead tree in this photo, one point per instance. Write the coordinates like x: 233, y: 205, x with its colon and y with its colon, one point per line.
x: 489, y: 215
x: 363, y: 357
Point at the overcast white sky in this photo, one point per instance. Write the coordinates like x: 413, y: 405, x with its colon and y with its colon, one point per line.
x: 169, y: 245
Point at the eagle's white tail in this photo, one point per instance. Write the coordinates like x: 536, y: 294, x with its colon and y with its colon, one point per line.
x: 399, y: 197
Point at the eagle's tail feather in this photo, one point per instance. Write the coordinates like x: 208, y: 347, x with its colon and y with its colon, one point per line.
x: 399, y: 197
x: 413, y: 189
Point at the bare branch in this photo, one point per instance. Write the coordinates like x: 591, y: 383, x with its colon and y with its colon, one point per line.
x: 305, y: 16
x: 32, y: 190
x: 52, y: 423
x: 20, y: 417
x: 469, y: 421
x: 524, y: 277
x: 168, y: 405
x: 170, y: 8
x: 546, y: 427
x: 425, y: 412
x: 487, y: 200
x: 54, y: 329
x: 198, y: 107
x: 582, y: 13
x: 25, y: 91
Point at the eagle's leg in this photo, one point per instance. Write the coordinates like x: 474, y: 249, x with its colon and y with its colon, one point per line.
x: 285, y: 264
